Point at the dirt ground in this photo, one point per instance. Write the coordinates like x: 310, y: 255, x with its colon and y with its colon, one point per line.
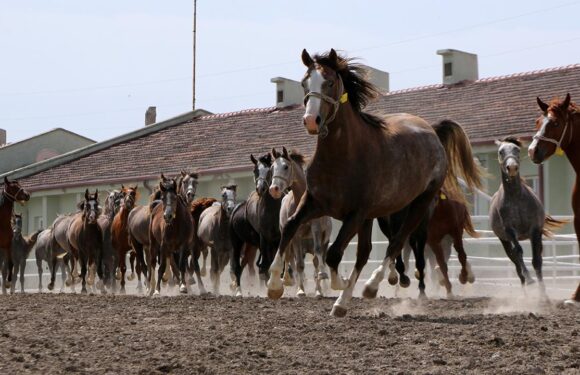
x: 56, y: 333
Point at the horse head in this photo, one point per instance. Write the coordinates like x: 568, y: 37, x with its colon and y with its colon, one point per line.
x: 187, y: 185
x: 168, y: 192
x: 508, y: 155
x: 262, y: 172
x: 14, y: 192
x: 17, y: 224
x: 229, y: 198
x: 90, y: 207
x: 129, y: 196
x: 282, y: 173
x: 554, y: 130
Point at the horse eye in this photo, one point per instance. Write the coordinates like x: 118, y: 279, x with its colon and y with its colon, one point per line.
x: 285, y: 167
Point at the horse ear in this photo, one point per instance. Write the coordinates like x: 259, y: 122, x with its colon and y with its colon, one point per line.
x: 253, y: 159
x: 306, y: 59
x: 6, y: 180
x: 497, y: 142
x: 96, y: 193
x: 543, y: 106
x: 87, y: 194
x: 285, y: 152
x: 332, y: 55
x: 161, y: 187
x: 183, y: 174
x: 566, y: 102
x: 163, y: 177
x: 275, y: 153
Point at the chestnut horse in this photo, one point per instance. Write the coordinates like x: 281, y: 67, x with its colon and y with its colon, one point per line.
x: 119, y: 233
x: 558, y: 130
x: 86, y: 237
x: 170, y: 231
x: 366, y: 167
x: 11, y: 192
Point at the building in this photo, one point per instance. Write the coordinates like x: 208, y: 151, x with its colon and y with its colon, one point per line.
x: 219, y: 145
x: 38, y: 148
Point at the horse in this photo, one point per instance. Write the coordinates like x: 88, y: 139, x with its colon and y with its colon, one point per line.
x: 555, y: 134
x: 119, y: 233
x: 449, y: 217
x: 516, y: 213
x: 196, y: 208
x: 288, y: 174
x: 21, y: 247
x: 11, y: 192
x: 214, y: 232
x: 170, y: 231
x: 60, y: 247
x: 42, y: 252
x: 86, y: 237
x: 255, y: 222
x: 111, y: 207
x: 366, y: 167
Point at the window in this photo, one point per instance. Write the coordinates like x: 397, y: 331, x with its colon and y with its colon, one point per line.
x: 279, y: 96
x: 448, y: 69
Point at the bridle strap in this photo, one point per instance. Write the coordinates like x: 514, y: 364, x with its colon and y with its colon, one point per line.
x: 558, y: 143
x: 332, y: 101
x: 10, y: 196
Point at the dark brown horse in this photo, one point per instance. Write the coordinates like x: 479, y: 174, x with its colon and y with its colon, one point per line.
x: 366, y: 167
x: 170, y: 231
x: 119, y: 232
x: 558, y: 130
x: 86, y: 237
x: 21, y: 247
x: 11, y: 192
x: 111, y: 207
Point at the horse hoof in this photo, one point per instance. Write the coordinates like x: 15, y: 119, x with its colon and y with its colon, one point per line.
x: 84, y: 291
x: 183, y: 289
x: 318, y: 294
x: 404, y: 282
x: 300, y: 293
x: 462, y: 278
x: 275, y: 293
x: 530, y: 281
x: 369, y: 292
x: 422, y: 295
x: 51, y: 286
x: 131, y: 277
x: 322, y: 276
x: 118, y: 275
x: 393, y: 280
x: 156, y: 293
x: 338, y: 311
x: 572, y: 303
x: 123, y: 291
x: 238, y: 293
x: 417, y: 274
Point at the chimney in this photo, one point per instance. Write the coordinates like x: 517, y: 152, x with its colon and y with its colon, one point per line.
x: 151, y: 116
x: 2, y: 137
x: 288, y: 92
x: 378, y: 78
x: 458, y: 66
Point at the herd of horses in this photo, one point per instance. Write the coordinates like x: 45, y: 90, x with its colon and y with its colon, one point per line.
x: 395, y: 168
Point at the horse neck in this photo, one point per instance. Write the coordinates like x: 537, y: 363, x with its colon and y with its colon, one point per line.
x: 572, y: 149
x: 298, y: 183
x: 124, y: 215
x: 6, y: 212
x: 511, y: 185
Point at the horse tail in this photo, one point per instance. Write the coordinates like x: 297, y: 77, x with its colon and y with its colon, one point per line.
x: 551, y: 224
x: 460, y: 160
x: 468, y: 225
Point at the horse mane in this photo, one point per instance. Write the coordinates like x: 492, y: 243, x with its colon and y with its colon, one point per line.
x: 230, y: 187
x: 297, y: 157
x: 360, y: 90
x: 200, y: 204
x: 512, y: 139
x: 556, y: 102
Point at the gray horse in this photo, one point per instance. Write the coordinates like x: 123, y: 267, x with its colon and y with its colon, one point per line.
x: 214, y: 232
x: 58, y: 245
x: 42, y: 251
x: 516, y: 213
x: 20, y: 249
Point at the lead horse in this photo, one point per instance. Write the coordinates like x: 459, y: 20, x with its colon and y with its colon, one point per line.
x: 558, y: 131
x: 366, y: 167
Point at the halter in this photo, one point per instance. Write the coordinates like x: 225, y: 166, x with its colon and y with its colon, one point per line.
x: 10, y: 196
x: 284, y: 179
x: 558, y: 143
x: 342, y: 98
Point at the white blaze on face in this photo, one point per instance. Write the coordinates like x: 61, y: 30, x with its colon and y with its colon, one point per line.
x: 281, y: 173
x: 541, y: 132
x: 314, y: 84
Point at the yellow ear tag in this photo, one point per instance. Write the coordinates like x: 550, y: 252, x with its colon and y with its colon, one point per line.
x: 443, y: 196
x: 559, y: 151
x: 343, y: 98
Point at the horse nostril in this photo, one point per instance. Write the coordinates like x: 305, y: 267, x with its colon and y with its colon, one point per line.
x: 318, y: 120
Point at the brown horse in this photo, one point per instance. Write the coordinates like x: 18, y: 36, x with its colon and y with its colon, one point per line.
x: 558, y: 129
x: 21, y: 247
x: 366, y: 167
x: 86, y: 237
x: 119, y: 233
x: 11, y: 192
x: 170, y: 231
x: 111, y: 207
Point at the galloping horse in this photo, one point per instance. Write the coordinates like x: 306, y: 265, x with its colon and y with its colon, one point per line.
x: 214, y: 232
x: 558, y: 131
x: 112, y: 204
x: 86, y: 237
x: 42, y: 252
x: 21, y: 247
x: 366, y: 167
x: 12, y: 192
x: 255, y: 222
x: 288, y: 174
x: 58, y: 245
x: 170, y: 231
x: 119, y: 233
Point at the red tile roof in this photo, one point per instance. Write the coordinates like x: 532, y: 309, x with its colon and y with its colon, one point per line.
x: 489, y: 108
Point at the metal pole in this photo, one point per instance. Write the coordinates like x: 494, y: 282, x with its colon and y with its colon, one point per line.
x: 194, y: 29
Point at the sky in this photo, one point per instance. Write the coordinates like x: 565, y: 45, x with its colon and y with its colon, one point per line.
x: 93, y: 67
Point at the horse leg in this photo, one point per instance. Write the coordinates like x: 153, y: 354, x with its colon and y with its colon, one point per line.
x: 123, y: 269
x: 64, y: 268
x: 289, y: 264
x: 84, y: 266
x: 4, y: 275
x: 419, y: 253
x: 299, y: 254
x: 203, y: 270
x: 416, y: 212
x: 163, y: 266
x: 536, y: 240
x: 250, y: 259
x: 466, y: 274
x: 183, y: 253
x: 435, y: 245
x: 404, y: 280
x: 317, y: 267
x: 22, y: 268
x: 507, y: 245
x: 132, y: 258
x: 235, y: 265
x: 39, y: 268
x: 153, y: 250
x: 363, y: 251
x: 305, y: 211
x: 320, y: 248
